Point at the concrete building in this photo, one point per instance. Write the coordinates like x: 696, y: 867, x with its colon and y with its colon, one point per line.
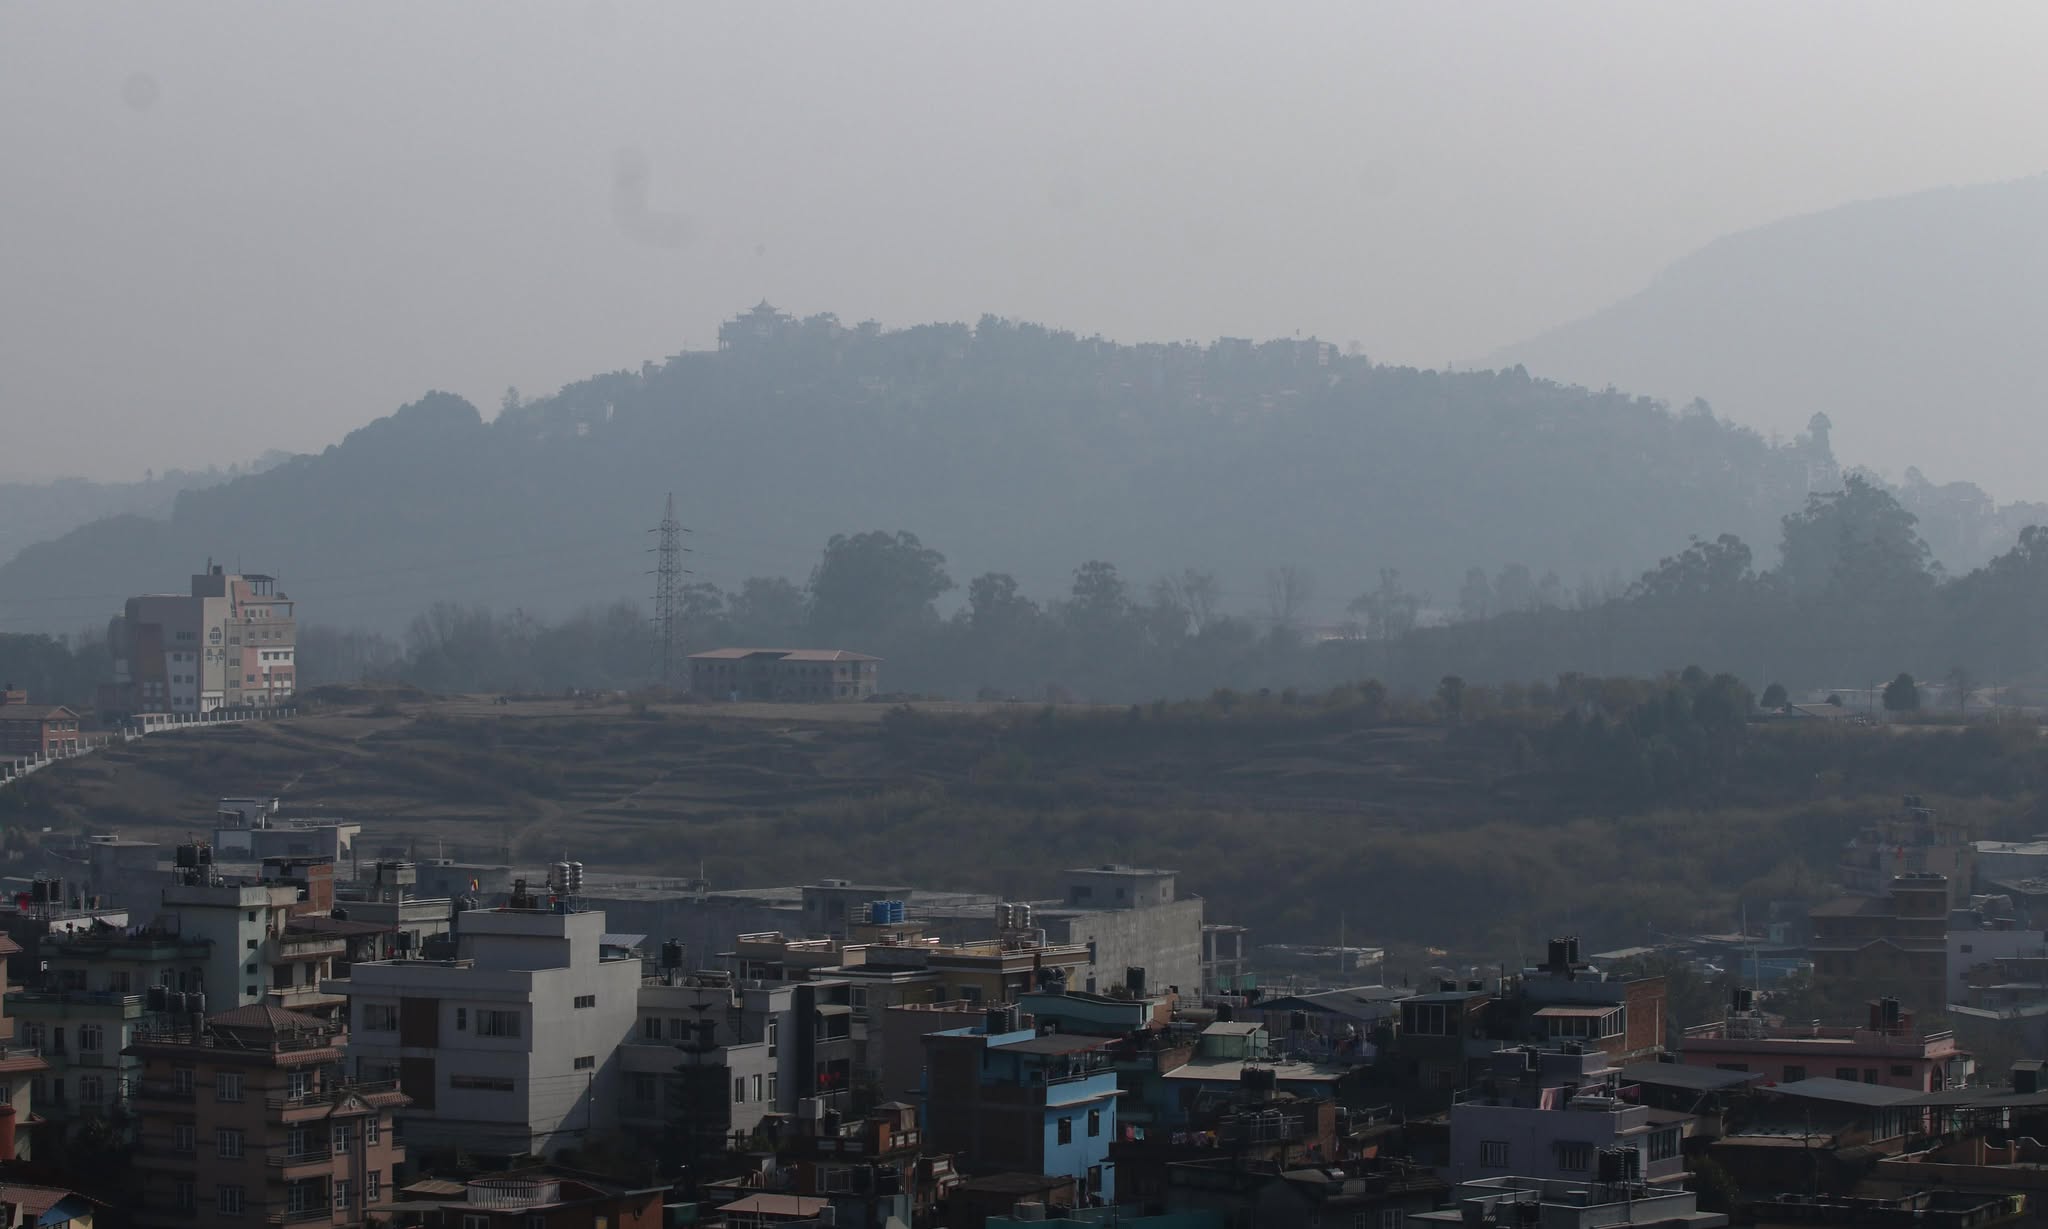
x: 2011, y: 861
x: 230, y: 643
x: 253, y: 954
x: 1568, y: 1001
x: 510, y: 1048
x: 1914, y: 841
x: 1888, y: 1051
x: 248, y: 1115
x: 20, y: 1065
x: 29, y: 731
x: 1974, y: 941
x: 784, y: 674
x: 1003, y: 1099
x: 251, y: 830
x: 1357, y: 1193
x: 1898, y: 941
x: 691, y: 1074
x: 1129, y: 918
x: 538, y: 1197
x: 1226, y: 960
x: 101, y: 986
x: 1500, y: 1202
x: 1549, y: 1114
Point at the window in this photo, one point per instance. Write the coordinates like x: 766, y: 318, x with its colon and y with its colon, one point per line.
x: 471, y: 1220
x: 586, y: 1000
x: 739, y: 1089
x: 90, y: 1090
x: 1664, y: 1145
x: 481, y: 1083
x: 252, y: 945
x: 183, y: 1137
x: 497, y: 1023
x: 650, y: 1029
x: 586, y: 1062
x: 461, y: 1019
x: 186, y: 1195
x: 760, y: 1085
x: 1573, y: 1155
x: 373, y: 1130
x: 373, y: 1186
x: 1846, y: 1073
x: 679, y: 1029
x: 298, y: 1083
x: 227, y: 1086
x: 1094, y: 1123
x: 343, y: 1188
x: 1793, y: 1073
x: 642, y: 1089
x: 181, y: 1081
x: 771, y: 1086
x: 1902, y: 1069
x: 228, y: 1200
x: 380, y: 1017
x: 1732, y: 1067
x: 1066, y: 1130
x: 774, y: 1032
x: 1493, y: 1153
x: 90, y: 1036
x: 227, y: 1141
x: 344, y: 1137
x: 299, y: 1142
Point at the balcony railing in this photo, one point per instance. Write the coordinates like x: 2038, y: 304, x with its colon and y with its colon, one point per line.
x: 328, y: 1096
x: 161, y: 1090
x: 299, y: 1216
x: 311, y: 1156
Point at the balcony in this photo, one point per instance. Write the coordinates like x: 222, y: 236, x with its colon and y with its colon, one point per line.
x: 319, y: 1098
x: 163, y: 1091
x: 322, y: 1157
x: 301, y: 1216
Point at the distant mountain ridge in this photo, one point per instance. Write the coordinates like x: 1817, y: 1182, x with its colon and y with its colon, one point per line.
x: 1914, y: 321
x: 1006, y: 446
x: 32, y: 512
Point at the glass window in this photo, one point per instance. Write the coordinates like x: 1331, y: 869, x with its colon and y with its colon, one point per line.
x: 373, y: 1130
x: 1573, y: 1156
x: 1066, y: 1130
x: 227, y: 1086
x: 183, y: 1137
x: 227, y: 1141
x: 739, y: 1089
x: 1493, y: 1153
x: 228, y: 1200
x: 497, y: 1023
x: 650, y: 1029
x: 586, y: 1062
x: 1094, y: 1123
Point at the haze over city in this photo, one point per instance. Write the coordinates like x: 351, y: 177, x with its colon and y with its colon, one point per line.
x: 241, y: 228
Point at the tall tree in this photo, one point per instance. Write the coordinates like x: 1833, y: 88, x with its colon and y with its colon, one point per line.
x: 872, y: 587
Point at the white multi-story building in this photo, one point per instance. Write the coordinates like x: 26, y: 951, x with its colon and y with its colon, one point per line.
x: 230, y: 643
x: 512, y: 1047
x: 252, y: 956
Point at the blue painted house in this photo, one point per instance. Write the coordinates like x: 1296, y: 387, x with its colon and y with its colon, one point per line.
x: 1017, y: 1102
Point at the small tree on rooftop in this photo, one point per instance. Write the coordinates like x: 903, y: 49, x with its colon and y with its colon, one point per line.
x: 1775, y: 697
x: 1902, y: 694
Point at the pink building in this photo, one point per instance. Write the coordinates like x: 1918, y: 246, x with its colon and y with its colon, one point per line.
x: 1886, y: 1052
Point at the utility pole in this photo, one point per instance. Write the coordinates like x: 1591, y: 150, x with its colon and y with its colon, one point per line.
x: 668, y: 582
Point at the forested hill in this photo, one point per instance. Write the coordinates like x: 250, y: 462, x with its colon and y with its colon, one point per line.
x: 1921, y: 314
x: 1007, y: 446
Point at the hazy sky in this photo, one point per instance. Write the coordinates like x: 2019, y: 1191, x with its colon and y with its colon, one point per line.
x: 226, y: 228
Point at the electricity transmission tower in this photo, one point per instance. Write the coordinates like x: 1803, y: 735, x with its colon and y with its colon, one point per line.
x: 668, y: 583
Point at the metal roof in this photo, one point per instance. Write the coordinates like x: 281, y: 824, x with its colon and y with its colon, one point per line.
x: 1848, y: 1092
x: 1682, y: 1075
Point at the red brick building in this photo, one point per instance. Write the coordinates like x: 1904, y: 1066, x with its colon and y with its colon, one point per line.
x: 249, y: 1115
x: 34, y: 729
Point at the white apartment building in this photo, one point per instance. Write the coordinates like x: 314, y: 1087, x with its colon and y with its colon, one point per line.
x: 705, y: 1058
x: 252, y: 958
x: 512, y: 1047
x: 231, y: 642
